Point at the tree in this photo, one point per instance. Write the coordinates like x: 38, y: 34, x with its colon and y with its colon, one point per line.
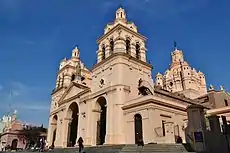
x: 31, y: 134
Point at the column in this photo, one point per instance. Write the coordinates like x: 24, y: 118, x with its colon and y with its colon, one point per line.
x: 109, y: 120
x: 66, y: 131
x: 151, y: 118
x: 119, y: 45
x: 109, y: 124
x: 49, y: 134
x: 107, y: 50
x: 99, y: 55
x: 214, y: 123
x: 117, y: 117
x: 89, y: 126
x: 143, y: 53
x: 133, y: 49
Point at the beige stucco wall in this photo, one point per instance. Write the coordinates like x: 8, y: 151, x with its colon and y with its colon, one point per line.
x: 120, y: 73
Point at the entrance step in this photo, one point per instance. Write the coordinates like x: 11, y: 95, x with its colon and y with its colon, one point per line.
x: 148, y: 148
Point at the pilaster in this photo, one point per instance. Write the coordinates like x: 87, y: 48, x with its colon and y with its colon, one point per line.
x: 99, y: 55
x: 143, y: 54
x: 49, y: 134
x: 108, y: 51
x: 119, y: 45
x: 109, y: 121
x: 66, y: 131
x: 133, y: 49
x: 118, y: 121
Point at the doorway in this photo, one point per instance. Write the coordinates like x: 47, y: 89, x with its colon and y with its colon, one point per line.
x: 101, y: 123
x: 73, y: 126
x: 138, y: 128
x: 14, y: 144
x: 54, y: 123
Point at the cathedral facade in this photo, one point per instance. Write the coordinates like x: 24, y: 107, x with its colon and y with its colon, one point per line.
x: 117, y: 101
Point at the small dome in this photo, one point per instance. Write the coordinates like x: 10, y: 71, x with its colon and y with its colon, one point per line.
x: 159, y: 74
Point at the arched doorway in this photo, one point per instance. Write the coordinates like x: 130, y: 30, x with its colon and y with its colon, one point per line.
x: 14, y: 144
x: 101, y: 122
x: 54, y: 123
x: 73, y: 126
x: 138, y: 128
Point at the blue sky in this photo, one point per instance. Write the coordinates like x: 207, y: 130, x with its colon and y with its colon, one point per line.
x: 36, y: 35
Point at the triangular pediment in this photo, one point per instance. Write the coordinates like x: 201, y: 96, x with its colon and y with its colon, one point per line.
x: 73, y: 90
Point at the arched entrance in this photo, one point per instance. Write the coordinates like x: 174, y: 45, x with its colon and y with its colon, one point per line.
x: 14, y: 144
x: 138, y: 128
x: 54, y: 123
x: 73, y: 126
x: 101, y: 122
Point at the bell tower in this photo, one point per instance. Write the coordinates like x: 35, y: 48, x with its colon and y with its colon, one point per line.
x: 121, y: 36
x: 122, y: 53
x: 120, y: 70
x: 182, y: 78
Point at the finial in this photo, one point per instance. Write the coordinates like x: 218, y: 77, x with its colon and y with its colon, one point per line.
x: 175, y: 45
x: 211, y: 87
x: 221, y: 88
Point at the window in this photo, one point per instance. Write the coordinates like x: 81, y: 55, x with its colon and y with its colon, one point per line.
x: 82, y: 78
x: 59, y: 81
x: 62, y: 83
x: 103, y: 52
x: 171, y: 84
x: 137, y: 50
x: 72, y: 77
x: 163, y: 127
x: 121, y: 14
x: 226, y: 102
x: 128, y: 46
x: 111, y: 45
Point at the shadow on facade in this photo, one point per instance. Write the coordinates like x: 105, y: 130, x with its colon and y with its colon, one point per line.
x: 101, y: 122
x: 206, y: 133
x: 73, y: 125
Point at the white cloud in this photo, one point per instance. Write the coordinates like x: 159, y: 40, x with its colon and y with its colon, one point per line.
x: 35, y: 106
x: 23, y: 97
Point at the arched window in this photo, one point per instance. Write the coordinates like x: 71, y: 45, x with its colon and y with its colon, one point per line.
x: 128, y: 46
x: 111, y: 45
x: 72, y: 77
x: 62, y: 83
x: 59, y: 81
x: 121, y: 14
x: 103, y: 51
x: 138, y: 50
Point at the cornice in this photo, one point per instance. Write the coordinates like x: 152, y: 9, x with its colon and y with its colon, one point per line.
x: 80, y: 86
x: 58, y: 89
x: 155, y: 100
x: 73, y: 97
x: 72, y: 67
x: 57, y: 110
x: 117, y: 27
x: 120, y: 55
x: 218, y: 111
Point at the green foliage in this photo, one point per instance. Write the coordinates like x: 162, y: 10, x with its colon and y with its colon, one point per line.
x: 32, y: 134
